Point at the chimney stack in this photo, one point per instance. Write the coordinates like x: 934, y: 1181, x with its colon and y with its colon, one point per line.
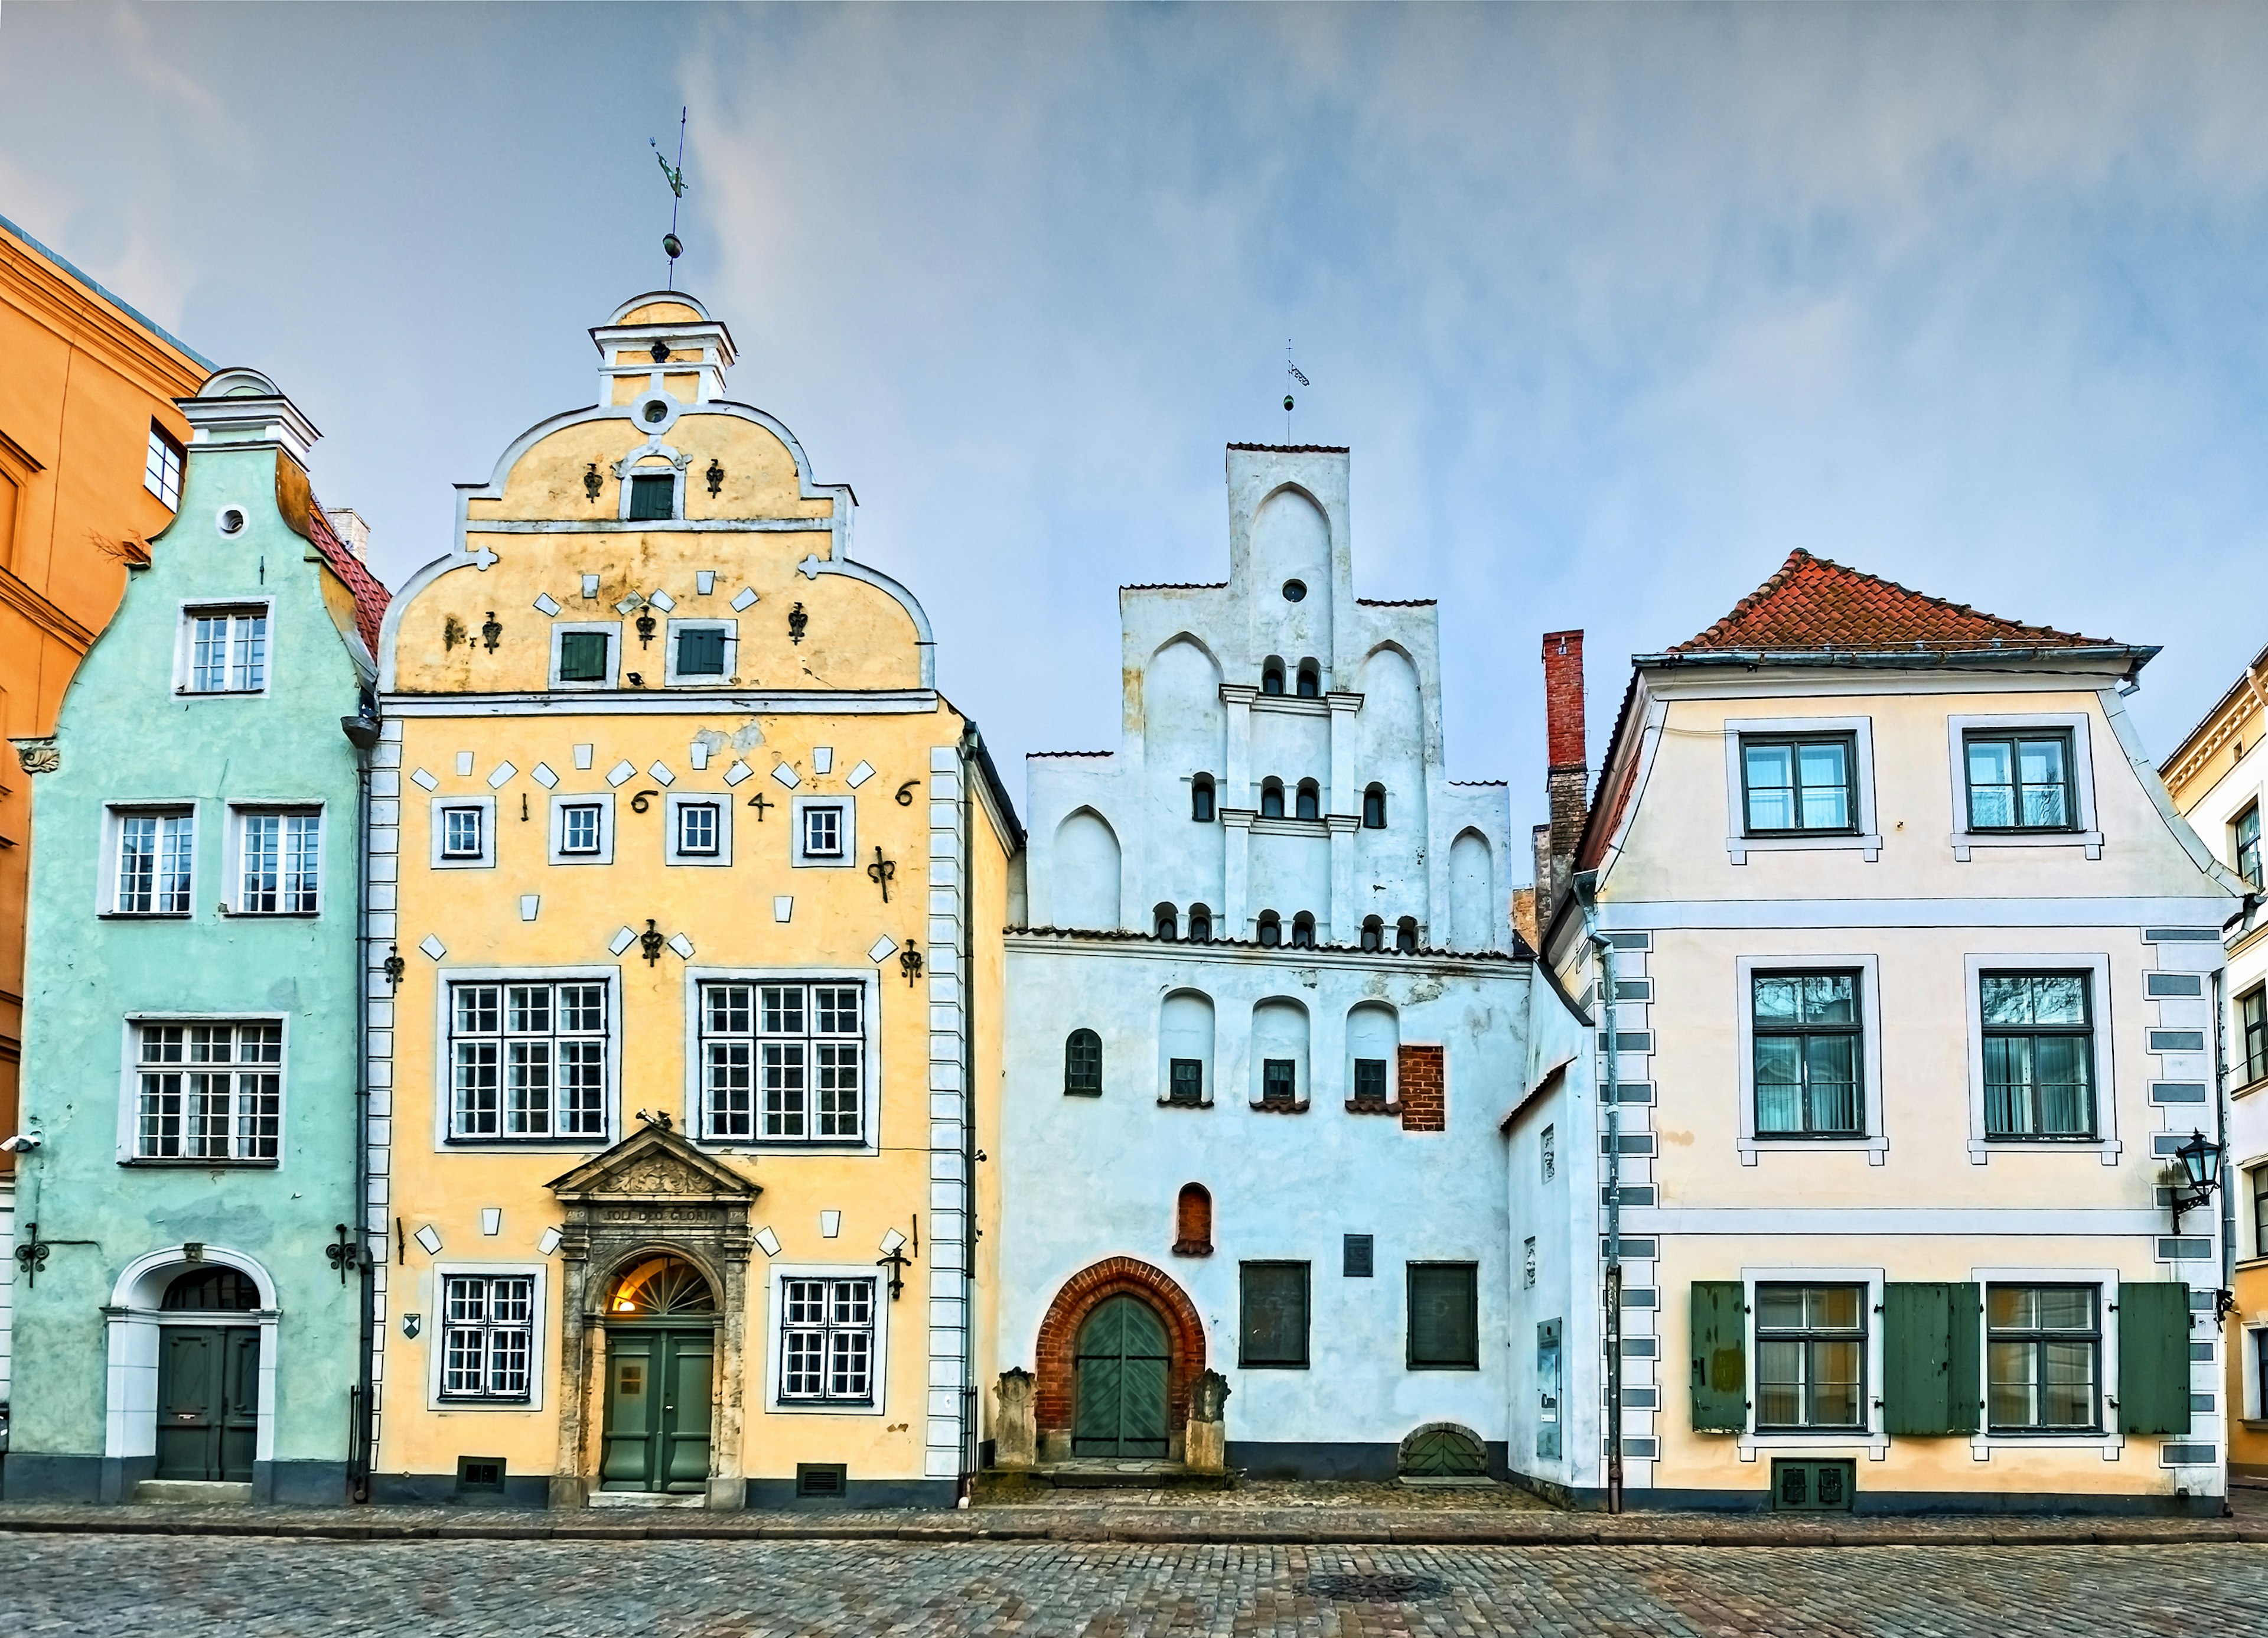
x: 1567, y: 776
x: 353, y: 533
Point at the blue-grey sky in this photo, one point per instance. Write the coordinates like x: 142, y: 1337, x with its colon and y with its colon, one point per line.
x: 1616, y: 305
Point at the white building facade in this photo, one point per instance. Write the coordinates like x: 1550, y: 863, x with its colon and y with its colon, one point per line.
x: 1264, y: 1020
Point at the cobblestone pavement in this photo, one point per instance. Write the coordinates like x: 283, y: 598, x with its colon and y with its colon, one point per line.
x: 88, y: 1586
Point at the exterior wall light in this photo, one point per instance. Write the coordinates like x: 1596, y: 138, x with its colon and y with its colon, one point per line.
x: 2200, y: 1162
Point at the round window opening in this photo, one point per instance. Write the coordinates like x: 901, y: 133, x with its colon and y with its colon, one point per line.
x: 231, y: 521
x: 658, y: 1287
x: 656, y: 412
x: 1294, y: 590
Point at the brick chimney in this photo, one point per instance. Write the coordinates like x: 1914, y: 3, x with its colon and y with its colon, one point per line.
x: 353, y: 533
x: 1567, y: 776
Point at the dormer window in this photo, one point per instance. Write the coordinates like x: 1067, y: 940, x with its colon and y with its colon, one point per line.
x: 1310, y: 802
x: 1272, y: 677
x: 1271, y: 799
x: 653, y: 497
x: 1311, y: 680
x: 1201, y: 799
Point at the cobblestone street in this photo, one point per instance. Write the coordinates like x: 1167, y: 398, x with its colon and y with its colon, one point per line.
x: 89, y: 1585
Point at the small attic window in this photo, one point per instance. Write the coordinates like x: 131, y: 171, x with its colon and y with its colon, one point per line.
x: 652, y: 496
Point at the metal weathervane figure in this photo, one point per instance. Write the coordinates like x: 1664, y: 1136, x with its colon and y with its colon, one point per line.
x: 671, y: 245
x: 1291, y: 370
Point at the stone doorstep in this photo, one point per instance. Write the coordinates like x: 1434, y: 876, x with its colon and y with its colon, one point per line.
x: 192, y: 1492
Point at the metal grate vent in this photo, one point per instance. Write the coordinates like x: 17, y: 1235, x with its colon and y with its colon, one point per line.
x: 821, y: 1479
x: 1374, y: 1587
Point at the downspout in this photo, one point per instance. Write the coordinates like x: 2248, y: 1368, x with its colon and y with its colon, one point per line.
x: 971, y: 741
x: 362, y: 731
x: 1586, y: 883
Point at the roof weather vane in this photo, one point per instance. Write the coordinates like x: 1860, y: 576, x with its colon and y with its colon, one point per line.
x: 1292, y: 371
x: 671, y: 245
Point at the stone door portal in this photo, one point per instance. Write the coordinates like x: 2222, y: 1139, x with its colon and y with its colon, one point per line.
x: 660, y: 1389
x: 1121, y: 1376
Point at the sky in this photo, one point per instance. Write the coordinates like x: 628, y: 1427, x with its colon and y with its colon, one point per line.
x: 1615, y: 305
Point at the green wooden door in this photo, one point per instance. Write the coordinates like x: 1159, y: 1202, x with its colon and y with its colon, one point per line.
x: 208, y: 1402
x: 1121, y: 1368
x: 657, y: 1414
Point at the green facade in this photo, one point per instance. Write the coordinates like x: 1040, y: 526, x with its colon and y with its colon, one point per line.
x: 145, y: 1186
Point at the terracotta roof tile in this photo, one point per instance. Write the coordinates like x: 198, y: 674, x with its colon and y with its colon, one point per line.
x: 1813, y: 604
x: 370, y: 593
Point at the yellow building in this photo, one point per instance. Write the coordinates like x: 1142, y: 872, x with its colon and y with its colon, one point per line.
x: 692, y: 886
x: 2217, y: 777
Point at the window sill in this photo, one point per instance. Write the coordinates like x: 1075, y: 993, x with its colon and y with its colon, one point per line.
x: 2106, y: 1149
x: 1278, y: 825
x: 1877, y: 1445
x: 1263, y: 1108
x: 1869, y: 847
x: 143, y: 915
x: 1270, y: 1365
x: 2249, y: 1088
x: 802, y: 862
x: 1183, y: 1102
x: 1964, y: 841
x: 178, y: 1162
x: 218, y: 693
x: 1082, y: 1092
x: 1363, y: 1106
x: 825, y: 1407
x: 1877, y: 1150
x: 272, y: 915
x: 508, y: 1145
x: 1192, y: 1247
x: 1413, y: 1365
x: 464, y: 864
x: 1981, y: 1446
x: 470, y: 1403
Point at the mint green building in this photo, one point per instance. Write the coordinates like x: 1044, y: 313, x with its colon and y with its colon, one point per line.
x: 194, y: 1003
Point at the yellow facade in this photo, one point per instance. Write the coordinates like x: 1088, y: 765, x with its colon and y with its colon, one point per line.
x: 820, y: 700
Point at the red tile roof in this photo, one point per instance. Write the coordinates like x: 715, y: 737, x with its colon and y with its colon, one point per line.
x: 1814, y: 604
x: 370, y: 593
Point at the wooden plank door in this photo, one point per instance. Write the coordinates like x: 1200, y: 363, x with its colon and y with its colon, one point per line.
x: 1119, y: 1363
x: 633, y: 1402
x: 208, y: 1402
x: 688, y: 1384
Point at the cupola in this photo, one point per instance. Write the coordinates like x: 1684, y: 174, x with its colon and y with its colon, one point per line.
x: 661, y: 343
x: 242, y: 406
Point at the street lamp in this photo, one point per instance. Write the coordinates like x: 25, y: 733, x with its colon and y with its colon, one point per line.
x: 2200, y: 1162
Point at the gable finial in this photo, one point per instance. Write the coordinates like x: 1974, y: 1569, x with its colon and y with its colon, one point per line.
x: 672, y: 245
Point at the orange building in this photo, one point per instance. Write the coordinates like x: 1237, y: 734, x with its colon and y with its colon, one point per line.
x: 90, y: 468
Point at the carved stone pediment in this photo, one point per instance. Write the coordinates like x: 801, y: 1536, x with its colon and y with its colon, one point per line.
x: 656, y: 1166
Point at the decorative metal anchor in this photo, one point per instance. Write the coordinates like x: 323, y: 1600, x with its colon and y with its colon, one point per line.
x: 396, y: 966
x: 881, y: 872
x: 797, y: 620
x: 716, y: 476
x: 491, y: 630
x: 343, y: 1252
x: 910, y: 962
x: 592, y: 482
x: 649, y: 944
x: 895, y: 1262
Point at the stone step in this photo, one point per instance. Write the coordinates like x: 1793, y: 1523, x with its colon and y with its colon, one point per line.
x: 997, y: 1484
x: 193, y: 1493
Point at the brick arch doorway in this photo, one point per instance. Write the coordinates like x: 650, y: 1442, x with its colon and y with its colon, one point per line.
x: 1083, y: 1297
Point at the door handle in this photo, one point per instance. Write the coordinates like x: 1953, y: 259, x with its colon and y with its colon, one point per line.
x: 185, y: 1416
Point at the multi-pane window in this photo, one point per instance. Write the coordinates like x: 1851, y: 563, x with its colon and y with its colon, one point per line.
x: 1797, y: 784
x: 1279, y: 1083
x: 156, y: 852
x: 210, y: 1091
x: 1806, y: 1031
x: 1370, y: 1080
x: 2246, y: 835
x: 696, y: 830
x: 2258, y: 1178
x: 282, y: 857
x: 701, y: 651
x: 2019, y: 781
x: 1811, y: 1356
x: 783, y: 1062
x: 527, y: 1060
x: 1272, y: 1322
x: 827, y: 1340
x: 460, y: 832
x: 1083, y: 1062
x: 1445, y: 1317
x: 161, y: 470
x: 2039, y: 1054
x: 579, y: 827
x: 228, y: 651
x: 2043, y: 1351
x: 822, y: 831
x: 2252, y: 1035
x: 583, y: 656
x: 1185, y: 1080
x: 487, y: 1324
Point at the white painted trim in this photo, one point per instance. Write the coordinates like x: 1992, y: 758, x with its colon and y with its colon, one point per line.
x: 726, y: 678
x: 556, y: 835
x: 775, y: 1337
x: 2075, y: 723
x: 614, y: 632
x: 870, y: 1109
x: 2110, y: 1441
x: 1875, y: 1440
x: 2138, y: 759
x: 130, y: 1095
x: 723, y: 802
x: 2104, y: 1145
x: 106, y: 872
x: 232, y: 855
x: 1875, y: 1144
x: 187, y: 608
x: 437, y: 835
x: 800, y: 805
x: 2121, y: 915
x: 677, y: 702
x: 444, y: 1079
x: 2073, y: 1222
x: 1867, y: 840
x: 132, y: 1322
x: 539, y: 1329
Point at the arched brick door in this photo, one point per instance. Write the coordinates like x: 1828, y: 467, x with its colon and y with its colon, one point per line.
x: 1056, y: 1390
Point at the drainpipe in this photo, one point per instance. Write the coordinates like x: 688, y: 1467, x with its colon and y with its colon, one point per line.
x: 1585, y: 883
x: 971, y: 743
x: 363, y: 732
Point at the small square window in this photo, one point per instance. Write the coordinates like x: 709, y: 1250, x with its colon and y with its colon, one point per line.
x: 825, y: 831
x: 460, y: 832
x: 701, y: 651
x: 1355, y: 1256
x: 583, y: 829
x: 1186, y: 1081
x: 2019, y: 781
x: 1370, y: 1080
x: 653, y: 497
x: 580, y: 828
x: 586, y: 657
x: 700, y: 829
x: 696, y: 828
x: 227, y: 650
x: 1798, y: 785
x: 1279, y: 1084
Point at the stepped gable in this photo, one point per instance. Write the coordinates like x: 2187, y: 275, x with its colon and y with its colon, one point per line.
x: 1814, y: 604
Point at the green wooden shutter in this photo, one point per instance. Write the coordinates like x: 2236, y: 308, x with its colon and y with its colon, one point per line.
x: 1929, y: 1357
x: 1721, y: 1362
x: 1444, y: 1315
x: 2153, y: 1357
x: 1965, y: 1405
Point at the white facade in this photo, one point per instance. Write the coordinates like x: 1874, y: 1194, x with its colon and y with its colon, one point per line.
x: 1288, y: 695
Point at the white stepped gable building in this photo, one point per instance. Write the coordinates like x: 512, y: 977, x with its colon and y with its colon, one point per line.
x: 1266, y: 1015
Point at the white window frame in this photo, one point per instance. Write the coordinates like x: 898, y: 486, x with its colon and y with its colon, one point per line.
x: 730, y: 674
x: 613, y: 631
x: 776, y: 1339
x: 185, y: 645
x: 129, y: 1100
x: 800, y: 805
x: 445, y: 1061
x: 2105, y: 1144
x: 436, y: 1350
x: 485, y: 859
x: 2110, y: 1443
x: 604, y: 801
x: 723, y: 802
x: 1876, y: 1142
x: 674, y: 469
x: 1866, y: 841
x: 868, y: 980
x: 168, y: 458
x: 2086, y: 835
x: 1872, y: 1440
x: 107, y: 882
x: 238, y: 812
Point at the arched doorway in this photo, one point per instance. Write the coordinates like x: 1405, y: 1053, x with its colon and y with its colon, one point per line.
x: 208, y: 1377
x: 660, y: 1317
x: 1057, y: 1393
x: 1444, y: 1450
x: 1119, y: 1392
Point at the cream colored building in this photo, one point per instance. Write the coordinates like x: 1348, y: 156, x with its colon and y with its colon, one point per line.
x: 1914, y: 962
x: 692, y: 885
x: 2219, y: 779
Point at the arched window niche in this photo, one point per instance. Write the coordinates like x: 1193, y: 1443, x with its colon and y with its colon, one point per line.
x: 1373, y: 806
x: 1270, y: 929
x: 1164, y: 921
x: 1272, y: 798
x: 1405, y: 935
x: 1271, y: 675
x: 1280, y: 1056
x: 1303, y: 931
x: 1310, y: 680
x: 1373, y: 1036
x: 1201, y: 799
x: 1083, y: 1063
x: 1192, y: 1221
x: 1200, y: 925
x: 1185, y: 1042
x: 1310, y: 802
